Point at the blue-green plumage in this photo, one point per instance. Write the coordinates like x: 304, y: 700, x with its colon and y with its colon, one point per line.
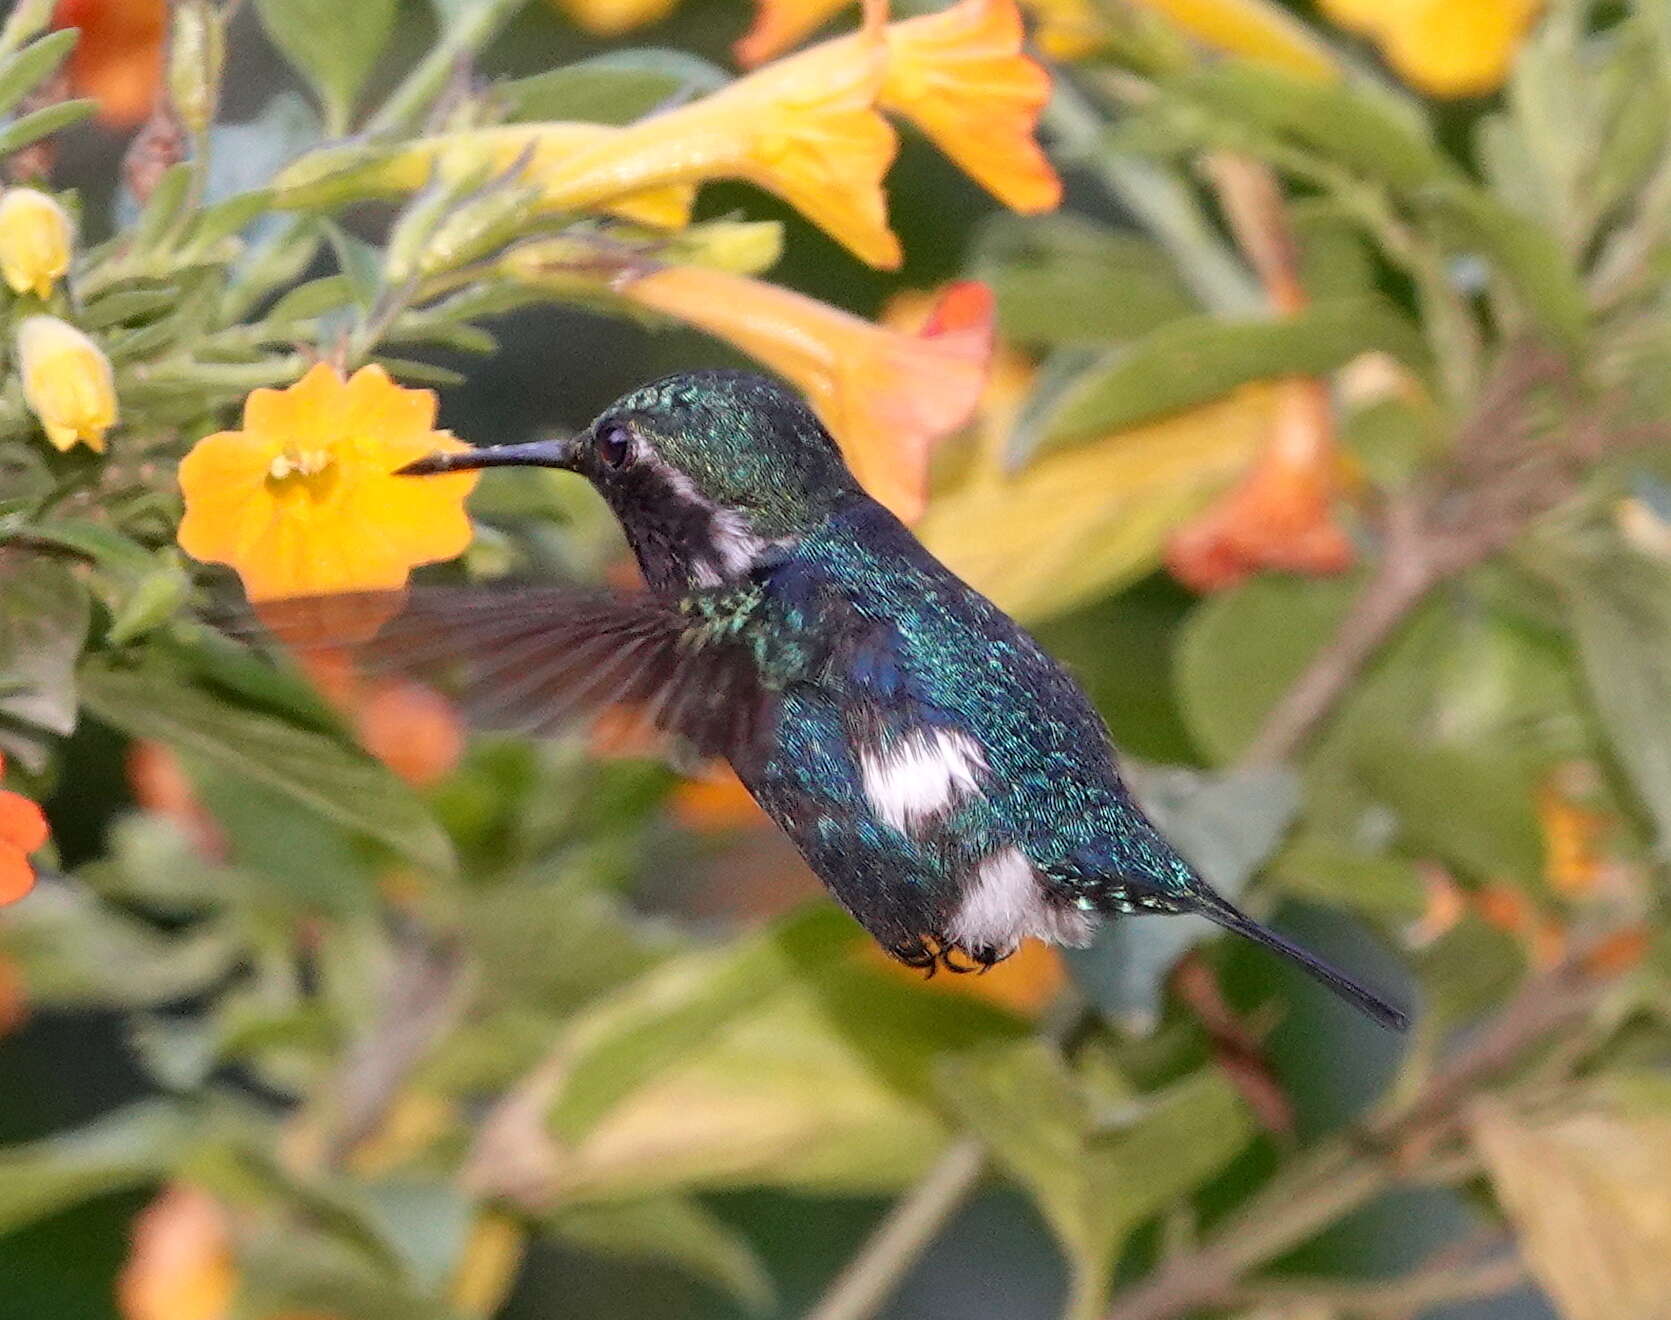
x: 947, y: 779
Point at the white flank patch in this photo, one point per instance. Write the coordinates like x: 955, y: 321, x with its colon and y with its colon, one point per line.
x: 919, y: 775
x: 1004, y: 904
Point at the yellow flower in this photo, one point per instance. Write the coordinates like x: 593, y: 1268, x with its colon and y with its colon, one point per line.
x: 304, y: 501
x: 610, y: 18
x: 543, y: 150
x: 960, y: 76
x: 66, y: 381
x: 1067, y: 29
x: 1444, y: 47
x: 781, y: 25
x: 886, y: 396
x: 35, y: 238
x: 805, y: 128
x: 1261, y: 30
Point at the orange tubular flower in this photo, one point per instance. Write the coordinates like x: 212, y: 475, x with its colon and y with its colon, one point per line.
x: 22, y: 831
x: 410, y: 728
x: 959, y: 75
x: 118, y: 59
x: 304, y: 500
x: 180, y: 1266
x: 805, y: 128
x: 887, y: 397
x: 781, y: 25
x: 1281, y: 515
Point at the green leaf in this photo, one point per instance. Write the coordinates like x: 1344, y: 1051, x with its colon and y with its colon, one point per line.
x: 1094, y: 1177
x: 290, y: 1264
x: 225, y: 218
x: 37, y: 125
x: 154, y: 599
x: 103, y: 545
x: 1320, y: 868
x: 677, y: 1230
x: 312, y: 768
x: 791, y: 1063
x: 656, y: 1025
x: 615, y: 88
x: 79, y: 952
x: 1241, y: 649
x: 361, y: 265
x: 425, y: 1222
x: 1200, y: 358
x: 420, y: 373
x: 1078, y: 523
x: 1498, y: 833
x: 306, y: 301
x: 1619, y: 604
x: 1067, y: 280
x: 126, y: 1149
x: 1353, y: 123
x: 1525, y: 253
x: 331, y: 44
x: 44, y: 617
x: 163, y: 208
x: 32, y: 65
x: 1226, y: 826
x: 555, y: 945
x: 129, y: 304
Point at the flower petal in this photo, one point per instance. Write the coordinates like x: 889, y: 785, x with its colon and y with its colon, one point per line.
x: 1280, y: 515
x: 22, y: 822
x: 960, y: 76
x: 781, y: 25
x: 886, y: 396
x: 305, y: 500
x: 17, y: 876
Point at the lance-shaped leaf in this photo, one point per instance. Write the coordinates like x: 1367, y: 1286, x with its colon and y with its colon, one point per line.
x: 1095, y: 1177
x: 128, y: 1148
x: 310, y: 767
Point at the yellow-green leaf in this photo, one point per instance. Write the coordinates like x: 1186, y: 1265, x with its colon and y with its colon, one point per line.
x: 1079, y: 523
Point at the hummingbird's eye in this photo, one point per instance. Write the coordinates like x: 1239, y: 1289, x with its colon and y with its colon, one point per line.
x: 613, y: 445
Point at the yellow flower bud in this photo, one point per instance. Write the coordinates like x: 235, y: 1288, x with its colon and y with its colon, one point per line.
x: 67, y: 381
x: 35, y: 241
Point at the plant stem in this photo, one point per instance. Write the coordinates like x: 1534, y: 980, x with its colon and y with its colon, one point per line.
x: 469, y: 33
x: 870, y: 1277
x: 1347, y: 1172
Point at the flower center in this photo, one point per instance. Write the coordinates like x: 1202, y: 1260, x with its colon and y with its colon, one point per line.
x: 294, y: 461
x: 303, y: 473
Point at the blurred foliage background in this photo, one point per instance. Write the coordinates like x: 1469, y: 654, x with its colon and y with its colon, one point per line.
x: 1323, y: 435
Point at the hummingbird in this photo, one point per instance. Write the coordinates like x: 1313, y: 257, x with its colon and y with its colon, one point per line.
x: 949, y: 782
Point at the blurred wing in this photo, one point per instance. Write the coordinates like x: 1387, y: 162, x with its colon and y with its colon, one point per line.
x: 535, y: 660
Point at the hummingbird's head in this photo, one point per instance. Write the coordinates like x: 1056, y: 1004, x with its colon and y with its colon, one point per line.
x: 708, y: 472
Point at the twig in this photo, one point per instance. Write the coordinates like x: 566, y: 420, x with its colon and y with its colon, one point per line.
x: 1399, y: 1298
x: 1498, y: 482
x: 870, y: 1277
x: 1347, y: 1172
x: 1500, y: 479
x: 421, y: 1002
x: 460, y: 40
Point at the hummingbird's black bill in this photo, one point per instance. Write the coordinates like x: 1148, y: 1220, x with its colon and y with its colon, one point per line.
x: 539, y: 453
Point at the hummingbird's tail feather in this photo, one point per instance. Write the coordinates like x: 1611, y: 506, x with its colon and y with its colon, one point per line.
x: 1225, y: 914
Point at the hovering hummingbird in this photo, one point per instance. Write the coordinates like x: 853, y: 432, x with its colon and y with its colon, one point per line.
x: 947, y: 779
